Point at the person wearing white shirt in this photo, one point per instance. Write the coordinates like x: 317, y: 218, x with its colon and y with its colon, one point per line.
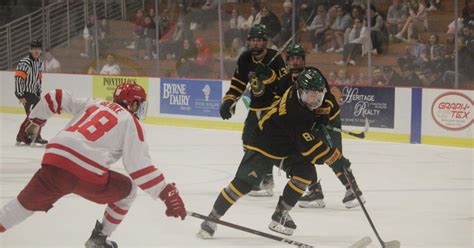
x: 51, y: 64
x: 111, y: 68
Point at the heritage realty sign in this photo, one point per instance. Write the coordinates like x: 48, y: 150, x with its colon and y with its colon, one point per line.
x: 375, y: 104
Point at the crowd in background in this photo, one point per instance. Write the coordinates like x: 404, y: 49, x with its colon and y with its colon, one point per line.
x: 178, y: 34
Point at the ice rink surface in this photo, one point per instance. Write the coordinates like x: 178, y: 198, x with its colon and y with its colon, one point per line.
x: 421, y: 195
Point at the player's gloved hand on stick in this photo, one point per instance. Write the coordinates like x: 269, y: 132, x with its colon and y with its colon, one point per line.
x: 263, y: 71
x: 227, y: 109
x: 174, y: 203
x: 340, y: 164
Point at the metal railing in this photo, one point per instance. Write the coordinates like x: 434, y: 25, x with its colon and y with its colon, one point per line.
x: 55, y: 24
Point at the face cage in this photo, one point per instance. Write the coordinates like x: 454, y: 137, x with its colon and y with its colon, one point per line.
x: 311, y: 99
x: 141, y: 111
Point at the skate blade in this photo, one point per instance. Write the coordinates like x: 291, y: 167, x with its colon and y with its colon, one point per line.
x: 392, y: 244
x: 354, y: 203
x: 277, y: 227
x: 312, y: 204
x: 202, y: 234
x: 362, y: 243
x: 261, y: 193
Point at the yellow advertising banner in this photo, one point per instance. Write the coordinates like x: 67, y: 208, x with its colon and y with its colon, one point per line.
x: 103, y: 86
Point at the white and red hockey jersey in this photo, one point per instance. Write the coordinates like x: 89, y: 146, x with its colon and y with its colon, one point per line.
x: 99, y: 134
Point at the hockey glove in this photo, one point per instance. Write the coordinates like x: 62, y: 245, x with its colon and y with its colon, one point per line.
x: 174, y: 204
x: 227, y: 109
x: 263, y: 71
x: 340, y: 164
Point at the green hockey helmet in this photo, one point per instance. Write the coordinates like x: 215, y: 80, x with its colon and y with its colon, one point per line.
x: 258, y: 31
x: 311, y: 86
x: 295, y: 50
x: 295, y: 65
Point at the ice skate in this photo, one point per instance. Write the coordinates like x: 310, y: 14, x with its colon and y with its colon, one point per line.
x: 22, y: 140
x: 207, y: 230
x: 313, y: 197
x: 265, y: 189
x: 98, y: 239
x: 350, y: 200
x: 281, y: 219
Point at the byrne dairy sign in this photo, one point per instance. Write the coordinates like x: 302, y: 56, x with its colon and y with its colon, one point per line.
x: 452, y: 111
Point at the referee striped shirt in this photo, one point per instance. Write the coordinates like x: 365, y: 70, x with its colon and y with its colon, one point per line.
x: 28, y: 76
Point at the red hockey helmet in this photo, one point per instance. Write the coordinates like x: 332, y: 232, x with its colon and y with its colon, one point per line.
x: 127, y: 94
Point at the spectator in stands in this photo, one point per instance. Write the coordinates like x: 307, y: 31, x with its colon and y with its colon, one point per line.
x: 154, y: 16
x: 307, y: 10
x: 319, y: 26
x: 89, y: 37
x: 391, y: 77
x: 417, y: 21
x: 146, y: 38
x: 254, y: 18
x: 332, y: 78
x: 201, y: 66
x: 338, y: 28
x: 466, y: 72
x: 164, y: 27
x: 467, y: 32
x: 111, y: 67
x: 342, y: 77
x: 359, y: 3
x: 378, y: 34
x: 186, y: 53
x: 377, y: 76
x: 358, y: 44
x: 169, y: 44
x: 104, y: 28
x: 271, y: 22
x: 51, y: 64
x: 435, y: 54
x: 468, y: 13
x: 91, y: 70
x: 396, y: 17
x: 236, y: 27
x: 413, y: 59
x: 432, y: 4
x: 137, y: 29
x: 287, y: 23
x: 230, y: 61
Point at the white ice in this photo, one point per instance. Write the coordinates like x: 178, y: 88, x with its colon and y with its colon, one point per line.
x: 421, y: 195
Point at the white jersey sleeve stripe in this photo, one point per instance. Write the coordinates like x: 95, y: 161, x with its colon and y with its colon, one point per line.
x: 75, y: 160
x: 152, y: 182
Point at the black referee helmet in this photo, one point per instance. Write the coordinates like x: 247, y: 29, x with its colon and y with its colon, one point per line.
x: 36, y: 44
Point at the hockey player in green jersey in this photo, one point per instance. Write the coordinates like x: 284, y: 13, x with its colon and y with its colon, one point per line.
x: 288, y: 127
x: 328, y: 114
x: 269, y: 66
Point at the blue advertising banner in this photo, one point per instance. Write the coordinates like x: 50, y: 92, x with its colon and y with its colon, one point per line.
x: 375, y: 104
x: 190, y: 97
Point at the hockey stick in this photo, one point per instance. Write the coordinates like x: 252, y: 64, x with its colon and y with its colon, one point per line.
x: 360, y: 135
x: 390, y: 244
x: 249, y: 230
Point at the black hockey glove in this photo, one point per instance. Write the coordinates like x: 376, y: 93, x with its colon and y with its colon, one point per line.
x: 263, y: 71
x: 227, y: 109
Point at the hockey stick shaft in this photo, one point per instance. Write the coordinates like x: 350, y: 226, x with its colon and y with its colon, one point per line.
x: 346, y: 174
x: 248, y: 230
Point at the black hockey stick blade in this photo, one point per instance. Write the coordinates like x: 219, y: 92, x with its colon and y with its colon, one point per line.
x: 249, y: 230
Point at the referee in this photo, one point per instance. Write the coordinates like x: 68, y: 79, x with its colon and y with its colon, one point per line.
x: 28, y: 76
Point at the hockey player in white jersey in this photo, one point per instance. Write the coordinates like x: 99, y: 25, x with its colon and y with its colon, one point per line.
x: 77, y: 161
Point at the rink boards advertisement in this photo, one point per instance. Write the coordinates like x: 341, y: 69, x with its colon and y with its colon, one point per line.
x: 408, y: 115
x: 190, y: 97
x: 375, y: 104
